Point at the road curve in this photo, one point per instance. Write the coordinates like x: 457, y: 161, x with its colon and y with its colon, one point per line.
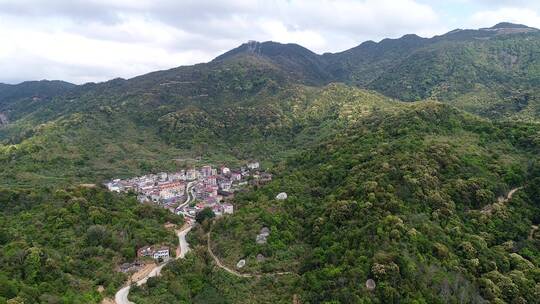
x: 236, y: 273
x: 501, y: 200
x: 121, y: 297
x: 534, y: 228
x: 220, y: 265
x: 509, y: 195
x: 184, y: 246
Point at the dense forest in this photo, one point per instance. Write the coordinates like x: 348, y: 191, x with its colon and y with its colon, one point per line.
x: 408, y: 199
x: 59, y: 246
x: 412, y: 164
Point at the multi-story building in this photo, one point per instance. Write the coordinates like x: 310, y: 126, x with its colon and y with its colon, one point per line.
x: 154, y: 252
x: 225, y: 184
x: 228, y: 208
x: 211, y: 180
x: 225, y: 171
x: 253, y: 165
x: 206, y: 171
x: 192, y: 174
x: 236, y: 176
x: 161, y: 253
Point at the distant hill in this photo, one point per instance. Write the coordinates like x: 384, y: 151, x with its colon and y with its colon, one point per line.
x: 296, y: 61
x: 39, y: 89
x: 246, y: 102
x: 499, y: 65
x: 15, y: 99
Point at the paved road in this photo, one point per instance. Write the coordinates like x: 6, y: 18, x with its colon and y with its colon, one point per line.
x: 189, y: 199
x: 189, y: 190
x: 184, y: 246
x: 121, y: 296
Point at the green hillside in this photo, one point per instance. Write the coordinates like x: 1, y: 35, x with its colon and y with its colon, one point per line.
x: 492, y: 72
x: 396, y: 197
x: 58, y: 246
x: 105, y: 134
x: 393, y: 154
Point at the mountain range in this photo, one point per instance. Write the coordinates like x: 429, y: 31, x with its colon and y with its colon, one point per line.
x: 397, y: 157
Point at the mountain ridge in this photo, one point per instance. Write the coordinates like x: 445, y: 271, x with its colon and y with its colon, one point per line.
x: 378, y: 190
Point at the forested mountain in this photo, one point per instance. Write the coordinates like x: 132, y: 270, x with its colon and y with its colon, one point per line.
x: 406, y: 196
x: 492, y: 71
x: 394, y: 155
x: 59, y: 246
x: 246, y: 102
x: 38, y: 89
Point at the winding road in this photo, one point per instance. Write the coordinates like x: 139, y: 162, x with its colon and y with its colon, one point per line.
x: 121, y: 297
x: 510, y: 194
x: 501, y: 200
x: 236, y: 273
x: 220, y: 265
x: 190, y: 195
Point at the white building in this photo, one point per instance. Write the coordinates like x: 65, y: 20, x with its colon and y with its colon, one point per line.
x: 162, y: 253
x: 225, y: 185
x: 155, y: 197
x: 253, y: 165
x: 192, y: 174
x: 163, y: 176
x: 228, y: 208
x: 225, y: 171
x: 142, y: 198
x: 114, y: 187
x: 178, y: 176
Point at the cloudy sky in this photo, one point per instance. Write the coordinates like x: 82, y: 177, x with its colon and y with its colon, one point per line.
x: 96, y: 40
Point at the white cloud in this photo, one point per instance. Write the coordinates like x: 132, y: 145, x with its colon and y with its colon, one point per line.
x: 96, y: 40
x: 510, y: 14
x: 127, y: 49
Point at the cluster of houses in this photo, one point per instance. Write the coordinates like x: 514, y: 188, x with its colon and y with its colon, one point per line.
x: 211, y: 187
x: 215, y: 187
x: 158, y: 253
x: 163, y: 188
x: 189, y: 191
x: 155, y: 252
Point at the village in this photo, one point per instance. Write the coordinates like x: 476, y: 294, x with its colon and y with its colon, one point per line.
x: 186, y: 193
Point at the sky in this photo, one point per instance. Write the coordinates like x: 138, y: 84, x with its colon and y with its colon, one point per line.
x: 97, y: 40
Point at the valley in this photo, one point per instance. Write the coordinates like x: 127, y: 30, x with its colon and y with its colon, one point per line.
x: 279, y: 175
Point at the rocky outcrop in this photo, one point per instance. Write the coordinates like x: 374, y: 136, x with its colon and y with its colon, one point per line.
x: 3, y: 120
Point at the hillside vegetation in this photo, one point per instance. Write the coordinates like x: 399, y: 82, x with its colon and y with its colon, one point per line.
x: 120, y: 140
x: 397, y: 158
x: 397, y: 197
x: 58, y: 246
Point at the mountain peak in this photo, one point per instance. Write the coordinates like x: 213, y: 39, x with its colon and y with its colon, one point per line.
x: 509, y: 28
x: 267, y: 48
x: 411, y: 37
x: 508, y: 25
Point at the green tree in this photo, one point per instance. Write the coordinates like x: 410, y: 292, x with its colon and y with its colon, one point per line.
x: 204, y: 215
